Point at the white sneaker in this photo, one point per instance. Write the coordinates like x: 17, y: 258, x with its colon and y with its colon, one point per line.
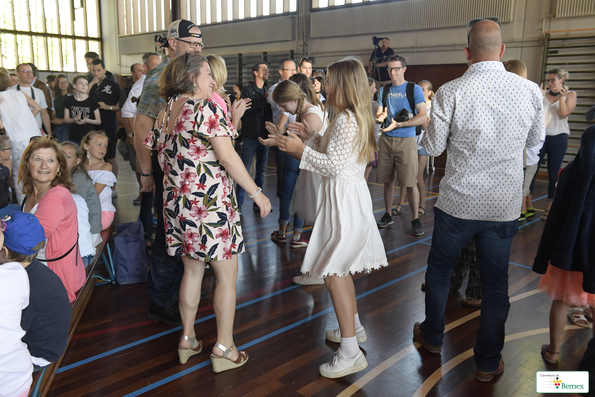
x: 341, y: 366
x: 334, y: 335
x: 308, y: 279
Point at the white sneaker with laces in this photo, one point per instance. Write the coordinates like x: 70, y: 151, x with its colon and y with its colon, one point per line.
x: 308, y: 279
x: 341, y: 366
x: 334, y: 335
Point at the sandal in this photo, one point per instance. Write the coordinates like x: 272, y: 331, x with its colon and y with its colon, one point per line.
x: 576, y: 315
x: 397, y: 210
x: 184, y: 353
x: 546, y: 349
x: 222, y: 363
x: 544, y: 215
x: 588, y: 315
x: 422, y: 211
x: 472, y: 302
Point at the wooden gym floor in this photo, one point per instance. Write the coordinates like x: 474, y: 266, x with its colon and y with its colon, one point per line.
x: 118, y: 351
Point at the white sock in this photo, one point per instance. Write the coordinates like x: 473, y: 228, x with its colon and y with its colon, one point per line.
x: 357, y: 322
x: 296, y: 237
x: 349, y: 347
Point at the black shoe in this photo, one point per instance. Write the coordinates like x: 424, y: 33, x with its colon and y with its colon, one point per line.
x: 385, y: 221
x: 417, y: 229
x: 168, y: 315
x: 523, y: 218
x: 203, y: 294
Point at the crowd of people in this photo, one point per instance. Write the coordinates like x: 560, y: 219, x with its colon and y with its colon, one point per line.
x: 328, y: 132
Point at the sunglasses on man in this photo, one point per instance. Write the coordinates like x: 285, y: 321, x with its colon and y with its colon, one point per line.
x: 474, y: 22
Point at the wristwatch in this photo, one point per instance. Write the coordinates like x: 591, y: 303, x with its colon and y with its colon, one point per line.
x: 399, y: 125
x: 110, y: 108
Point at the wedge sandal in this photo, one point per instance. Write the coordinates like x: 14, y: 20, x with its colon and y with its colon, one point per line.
x: 222, y: 363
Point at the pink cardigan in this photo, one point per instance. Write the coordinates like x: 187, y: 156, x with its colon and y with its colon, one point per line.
x: 57, y: 214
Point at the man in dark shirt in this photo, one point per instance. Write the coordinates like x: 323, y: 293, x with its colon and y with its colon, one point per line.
x: 378, y: 63
x: 46, y: 320
x: 89, y: 58
x: 253, y: 127
x: 107, y: 94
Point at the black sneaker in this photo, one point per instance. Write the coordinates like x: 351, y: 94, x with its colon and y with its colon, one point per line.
x: 523, y: 218
x: 418, y: 230
x: 168, y: 315
x: 385, y: 221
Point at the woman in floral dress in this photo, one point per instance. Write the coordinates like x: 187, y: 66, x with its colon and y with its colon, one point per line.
x: 194, y: 142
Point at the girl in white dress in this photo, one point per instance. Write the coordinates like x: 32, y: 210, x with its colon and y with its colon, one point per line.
x: 345, y: 239
x: 94, y: 147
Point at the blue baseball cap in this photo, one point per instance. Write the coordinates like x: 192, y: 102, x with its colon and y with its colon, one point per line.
x: 23, y: 232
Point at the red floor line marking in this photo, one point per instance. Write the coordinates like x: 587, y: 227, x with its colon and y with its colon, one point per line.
x: 202, y: 309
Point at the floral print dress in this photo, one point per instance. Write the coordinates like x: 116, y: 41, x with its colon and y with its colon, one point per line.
x: 200, y: 212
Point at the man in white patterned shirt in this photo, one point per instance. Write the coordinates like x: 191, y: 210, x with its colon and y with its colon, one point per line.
x: 484, y: 120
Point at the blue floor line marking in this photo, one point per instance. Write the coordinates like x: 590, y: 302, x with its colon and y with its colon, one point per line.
x: 267, y: 336
x: 518, y: 264
x: 150, y: 338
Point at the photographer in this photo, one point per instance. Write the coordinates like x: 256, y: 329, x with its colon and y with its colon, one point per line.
x: 379, y: 61
x: 397, y: 146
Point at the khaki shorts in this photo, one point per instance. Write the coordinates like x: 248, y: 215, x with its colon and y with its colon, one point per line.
x: 397, y: 157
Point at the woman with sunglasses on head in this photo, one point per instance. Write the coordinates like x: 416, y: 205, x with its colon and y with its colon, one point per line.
x: 336, y: 249
x: 194, y: 141
x: 558, y: 104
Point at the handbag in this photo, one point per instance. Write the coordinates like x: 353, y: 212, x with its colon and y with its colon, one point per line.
x: 130, y: 254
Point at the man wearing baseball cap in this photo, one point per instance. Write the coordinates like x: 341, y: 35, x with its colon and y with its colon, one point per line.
x: 46, y: 319
x: 165, y: 272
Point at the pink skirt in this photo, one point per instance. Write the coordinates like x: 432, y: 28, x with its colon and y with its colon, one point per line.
x: 565, y: 286
x: 107, y: 217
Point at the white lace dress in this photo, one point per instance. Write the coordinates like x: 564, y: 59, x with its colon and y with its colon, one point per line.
x: 305, y: 195
x: 345, y: 238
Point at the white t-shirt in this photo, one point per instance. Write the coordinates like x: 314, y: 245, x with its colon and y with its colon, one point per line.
x: 37, y: 95
x: 15, y: 360
x: 129, y: 108
x: 16, y: 115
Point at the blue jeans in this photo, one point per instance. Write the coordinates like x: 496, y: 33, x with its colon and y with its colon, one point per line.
x: 250, y: 147
x: 291, y: 170
x: 165, y: 272
x: 146, y: 215
x: 555, y: 148
x: 62, y: 132
x: 493, y: 241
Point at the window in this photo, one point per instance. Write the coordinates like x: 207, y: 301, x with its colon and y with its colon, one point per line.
x: 143, y: 16
x: 52, y: 34
x: 205, y: 12
x: 316, y: 4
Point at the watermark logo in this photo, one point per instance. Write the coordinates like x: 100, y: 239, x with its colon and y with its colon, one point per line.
x: 562, y: 382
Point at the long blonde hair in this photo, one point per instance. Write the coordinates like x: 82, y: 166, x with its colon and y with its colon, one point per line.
x: 218, y: 71
x: 287, y: 91
x: 348, y: 90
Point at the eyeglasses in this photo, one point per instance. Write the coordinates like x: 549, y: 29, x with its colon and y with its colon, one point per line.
x: 396, y: 69
x: 474, y: 22
x: 5, y: 149
x: 302, y: 60
x: 26, y: 71
x: 552, y: 80
x: 192, y: 44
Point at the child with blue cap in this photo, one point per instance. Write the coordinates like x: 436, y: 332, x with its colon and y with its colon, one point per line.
x: 46, y: 319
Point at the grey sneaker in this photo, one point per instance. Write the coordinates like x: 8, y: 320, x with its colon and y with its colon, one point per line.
x: 386, y: 220
x: 418, y: 230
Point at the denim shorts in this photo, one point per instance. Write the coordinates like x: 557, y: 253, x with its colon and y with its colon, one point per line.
x: 422, y: 152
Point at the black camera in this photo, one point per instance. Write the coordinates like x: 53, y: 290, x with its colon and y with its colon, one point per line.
x: 377, y: 40
x: 160, y: 39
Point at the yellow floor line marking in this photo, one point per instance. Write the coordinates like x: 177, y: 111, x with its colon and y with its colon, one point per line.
x: 367, y: 378
x: 429, y: 383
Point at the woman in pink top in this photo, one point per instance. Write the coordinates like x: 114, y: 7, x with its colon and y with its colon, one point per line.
x: 46, y: 182
x: 233, y: 113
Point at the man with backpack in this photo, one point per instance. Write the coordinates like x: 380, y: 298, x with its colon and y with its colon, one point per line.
x: 401, y: 108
